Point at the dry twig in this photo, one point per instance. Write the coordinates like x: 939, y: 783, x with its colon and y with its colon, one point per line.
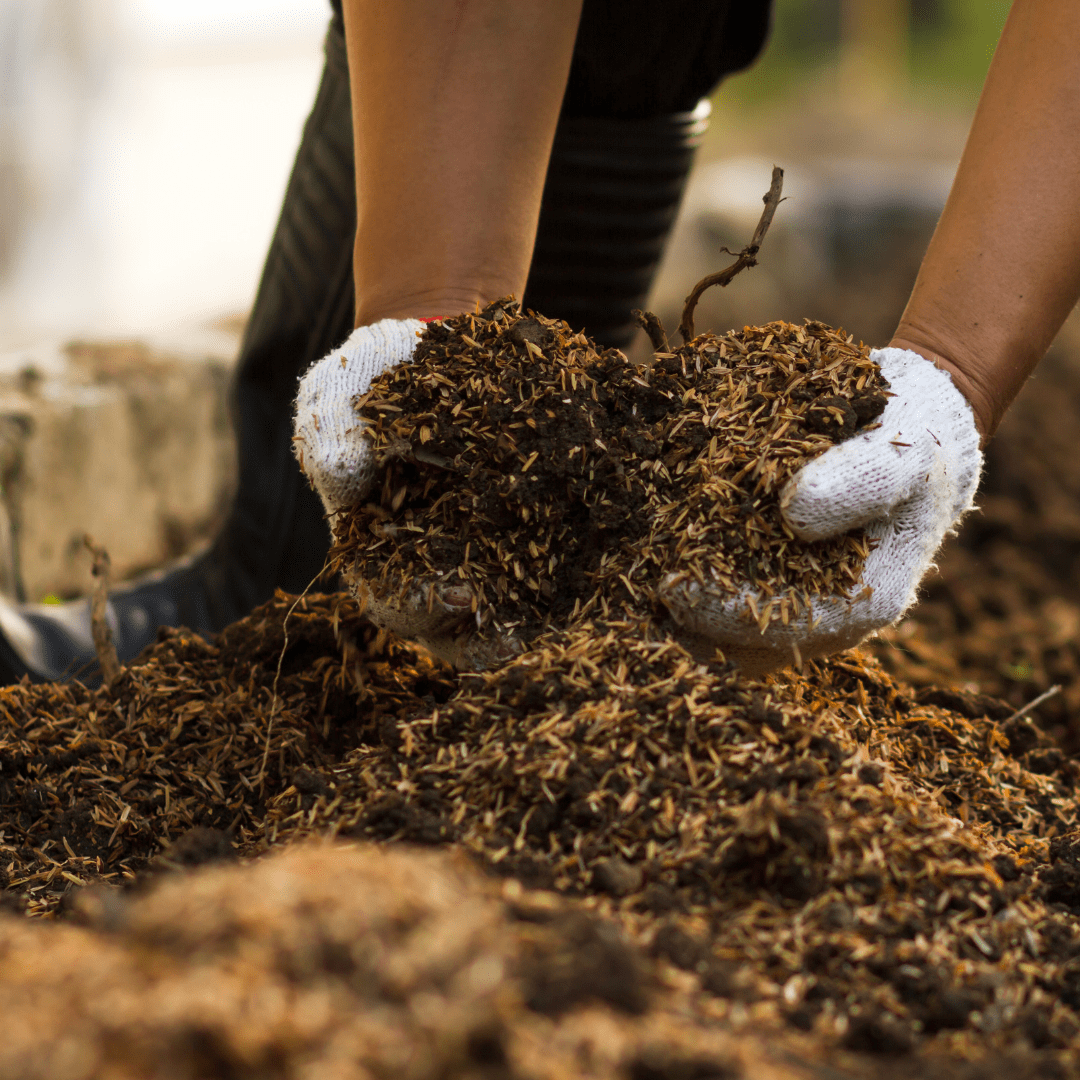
x: 651, y: 324
x: 274, y: 704
x: 747, y: 257
x: 1046, y: 695
x: 103, y: 641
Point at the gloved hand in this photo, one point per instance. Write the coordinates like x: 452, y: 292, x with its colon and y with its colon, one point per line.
x: 328, y: 436
x: 337, y: 458
x: 908, y: 482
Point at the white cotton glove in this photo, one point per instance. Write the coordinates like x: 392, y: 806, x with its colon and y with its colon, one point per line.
x: 328, y: 436
x: 908, y: 482
x: 335, y: 454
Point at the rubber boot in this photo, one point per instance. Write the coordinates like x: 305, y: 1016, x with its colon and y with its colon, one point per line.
x: 611, y: 196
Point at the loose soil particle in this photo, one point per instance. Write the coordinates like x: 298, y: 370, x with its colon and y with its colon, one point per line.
x: 561, y: 482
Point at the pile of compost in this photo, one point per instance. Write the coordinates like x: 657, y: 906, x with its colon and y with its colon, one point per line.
x: 820, y: 855
x: 556, y: 482
x: 356, y: 963
x: 604, y: 858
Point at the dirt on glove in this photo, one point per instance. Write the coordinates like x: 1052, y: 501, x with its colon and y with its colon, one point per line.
x: 557, y: 481
x: 824, y: 856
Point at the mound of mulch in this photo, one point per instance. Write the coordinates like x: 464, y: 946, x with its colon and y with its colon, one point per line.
x: 557, y: 481
x: 828, y: 855
x: 94, y: 783
x: 654, y: 868
x: 351, y: 962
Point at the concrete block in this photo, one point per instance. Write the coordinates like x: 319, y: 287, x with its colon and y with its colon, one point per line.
x: 128, y: 441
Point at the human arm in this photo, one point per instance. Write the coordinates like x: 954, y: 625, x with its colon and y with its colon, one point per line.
x: 1000, y: 276
x: 1002, y: 271
x: 455, y: 104
x: 454, y: 107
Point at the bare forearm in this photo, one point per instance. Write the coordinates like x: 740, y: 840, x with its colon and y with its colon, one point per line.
x: 1003, y: 269
x: 454, y: 110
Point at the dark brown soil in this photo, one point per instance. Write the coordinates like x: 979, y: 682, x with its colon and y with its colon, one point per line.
x: 559, y: 482
x: 825, y: 853
x: 675, y: 872
x: 95, y: 785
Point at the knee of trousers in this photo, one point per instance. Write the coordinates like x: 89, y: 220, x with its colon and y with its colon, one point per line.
x: 611, y: 197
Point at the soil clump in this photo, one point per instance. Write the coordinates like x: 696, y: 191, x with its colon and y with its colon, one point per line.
x: 559, y: 482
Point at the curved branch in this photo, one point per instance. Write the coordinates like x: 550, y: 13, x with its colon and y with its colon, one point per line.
x: 747, y: 257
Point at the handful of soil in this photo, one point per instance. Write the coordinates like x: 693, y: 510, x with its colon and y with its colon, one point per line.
x: 558, y: 480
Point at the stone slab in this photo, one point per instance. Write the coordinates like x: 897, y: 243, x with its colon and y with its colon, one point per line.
x: 129, y: 442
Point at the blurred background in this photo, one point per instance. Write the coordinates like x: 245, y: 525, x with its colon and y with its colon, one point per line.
x: 144, y: 147
x: 144, y: 150
x: 865, y: 104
